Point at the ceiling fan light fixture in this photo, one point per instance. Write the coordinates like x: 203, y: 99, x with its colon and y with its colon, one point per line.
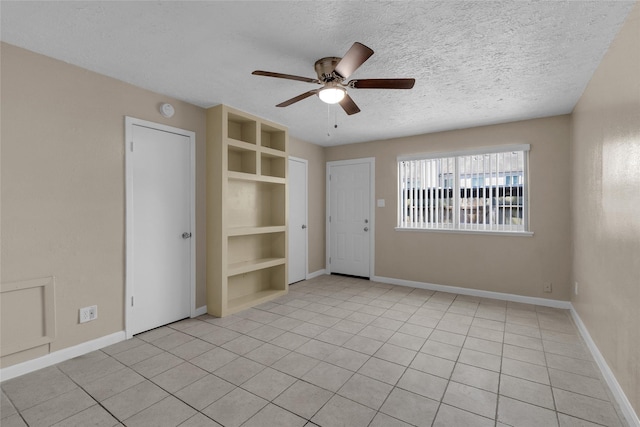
x: 332, y: 95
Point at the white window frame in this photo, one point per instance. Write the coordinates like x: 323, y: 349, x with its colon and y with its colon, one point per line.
x: 456, y: 227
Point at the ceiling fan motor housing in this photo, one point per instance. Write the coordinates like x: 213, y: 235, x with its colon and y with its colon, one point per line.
x: 325, y: 69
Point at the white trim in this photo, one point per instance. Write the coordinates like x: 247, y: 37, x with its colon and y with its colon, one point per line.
x: 306, y: 212
x: 199, y: 311
x: 372, y: 215
x: 525, y: 193
x: 609, y: 377
x: 316, y: 274
x: 129, y: 123
x: 476, y: 292
x: 372, y: 210
x: 60, y: 356
x: 484, y: 150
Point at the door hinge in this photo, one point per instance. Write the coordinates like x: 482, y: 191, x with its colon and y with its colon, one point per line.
x: 329, y: 177
x: 132, y: 146
x: 131, y: 301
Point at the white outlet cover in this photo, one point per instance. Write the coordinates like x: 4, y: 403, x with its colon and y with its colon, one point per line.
x: 84, y: 315
x: 381, y: 203
x: 87, y: 314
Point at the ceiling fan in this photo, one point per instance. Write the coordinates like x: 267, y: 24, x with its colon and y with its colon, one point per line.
x: 332, y: 72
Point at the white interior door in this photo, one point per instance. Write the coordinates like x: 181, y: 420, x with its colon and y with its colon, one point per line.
x: 297, y: 184
x: 159, y: 227
x: 350, y: 218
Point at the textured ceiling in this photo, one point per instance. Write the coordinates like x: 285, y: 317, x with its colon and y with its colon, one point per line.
x: 475, y: 63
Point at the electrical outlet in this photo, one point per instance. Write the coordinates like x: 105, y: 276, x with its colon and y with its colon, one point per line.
x: 88, y: 313
x: 547, y: 287
x: 575, y: 288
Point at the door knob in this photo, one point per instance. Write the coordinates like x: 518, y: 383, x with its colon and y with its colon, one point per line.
x: 366, y: 229
x: 186, y: 235
x: 304, y: 226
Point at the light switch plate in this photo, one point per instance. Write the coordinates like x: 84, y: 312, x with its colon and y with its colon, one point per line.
x: 381, y: 203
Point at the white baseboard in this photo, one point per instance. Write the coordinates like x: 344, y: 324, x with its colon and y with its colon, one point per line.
x: 70, y: 352
x: 60, y: 356
x: 475, y: 292
x: 199, y: 311
x: 612, y: 382
x: 316, y: 274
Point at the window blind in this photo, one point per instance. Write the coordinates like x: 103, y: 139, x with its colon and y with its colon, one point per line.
x: 483, y: 191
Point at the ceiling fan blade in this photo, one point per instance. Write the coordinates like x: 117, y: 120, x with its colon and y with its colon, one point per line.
x: 297, y: 98
x: 354, y: 58
x: 382, y: 83
x: 348, y: 105
x: 285, y: 76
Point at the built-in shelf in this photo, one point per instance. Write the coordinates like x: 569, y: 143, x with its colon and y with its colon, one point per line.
x: 246, y: 210
x: 240, y: 145
x: 242, y: 176
x: 247, y: 301
x: 272, y: 152
x: 244, y: 231
x: 253, y: 265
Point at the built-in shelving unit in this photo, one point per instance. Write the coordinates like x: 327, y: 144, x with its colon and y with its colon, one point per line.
x: 246, y: 210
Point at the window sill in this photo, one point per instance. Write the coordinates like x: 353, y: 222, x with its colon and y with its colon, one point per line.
x: 456, y: 231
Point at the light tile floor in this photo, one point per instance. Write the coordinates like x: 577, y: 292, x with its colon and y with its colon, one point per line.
x: 335, y: 351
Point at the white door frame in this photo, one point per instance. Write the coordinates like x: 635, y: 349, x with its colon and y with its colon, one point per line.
x: 372, y: 226
x: 306, y: 214
x: 128, y: 142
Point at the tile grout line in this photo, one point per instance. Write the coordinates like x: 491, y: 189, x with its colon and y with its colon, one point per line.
x: 450, y: 375
x: 546, y: 365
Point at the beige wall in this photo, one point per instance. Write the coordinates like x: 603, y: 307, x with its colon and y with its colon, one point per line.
x: 63, y: 202
x: 316, y: 196
x: 515, y: 265
x: 62, y: 212
x: 606, y: 202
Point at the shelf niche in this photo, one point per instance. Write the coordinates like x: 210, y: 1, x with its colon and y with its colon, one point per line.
x: 241, y: 128
x: 248, y: 252
x: 248, y: 289
x: 241, y: 160
x: 255, y: 204
x: 274, y: 166
x: 273, y: 138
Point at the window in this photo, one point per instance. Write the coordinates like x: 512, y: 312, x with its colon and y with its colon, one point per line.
x: 480, y: 190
